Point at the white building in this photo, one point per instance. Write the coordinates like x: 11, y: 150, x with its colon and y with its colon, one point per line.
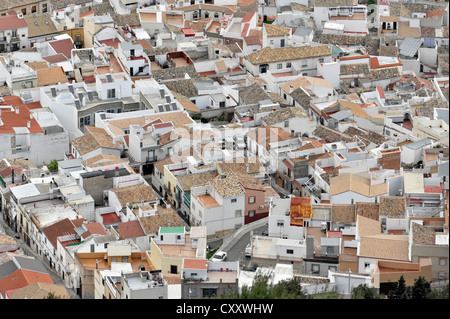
x: 219, y: 205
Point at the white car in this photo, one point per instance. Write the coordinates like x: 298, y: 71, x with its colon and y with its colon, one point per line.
x: 248, y: 250
x: 219, y: 256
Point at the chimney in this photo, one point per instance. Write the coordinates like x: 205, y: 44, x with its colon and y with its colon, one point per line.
x: 29, y: 124
x: 17, y: 110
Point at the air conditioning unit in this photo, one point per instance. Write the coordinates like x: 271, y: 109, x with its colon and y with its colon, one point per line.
x: 261, y: 206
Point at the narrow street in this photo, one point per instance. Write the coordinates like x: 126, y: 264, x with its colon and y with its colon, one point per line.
x: 4, y: 229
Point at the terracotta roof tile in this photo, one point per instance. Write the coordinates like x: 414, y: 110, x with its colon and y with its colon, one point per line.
x: 393, y: 206
x: 64, y: 46
x: 131, y: 229
x: 11, y: 119
x: 392, y: 247
x: 422, y: 235
x: 268, y: 55
x: 162, y: 218
x: 135, y: 194
x: 343, y: 213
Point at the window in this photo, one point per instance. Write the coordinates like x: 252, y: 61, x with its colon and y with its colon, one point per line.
x: 321, y: 60
x: 366, y: 265
x: 332, y: 268
x: 86, y: 120
x: 111, y: 93
x: 290, y: 251
x: 280, y: 223
x: 192, y: 292
x: 222, y: 104
x: 24, y: 11
x: 330, y: 250
x: 234, y: 200
x: 44, y: 7
x: 216, y: 15
x: 33, y: 9
x: 161, y: 237
x: 238, y: 213
x: 442, y: 261
x: 251, y: 213
x: 288, y: 64
x: 442, y: 275
x: 251, y: 199
x: 125, y: 259
x: 286, y: 123
x: 279, y: 66
x: 315, y: 268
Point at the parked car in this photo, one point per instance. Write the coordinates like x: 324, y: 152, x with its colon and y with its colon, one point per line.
x: 219, y: 256
x: 248, y: 250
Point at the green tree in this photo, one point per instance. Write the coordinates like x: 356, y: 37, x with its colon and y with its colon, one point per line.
x: 365, y: 292
x: 51, y: 295
x: 401, y: 291
x: 262, y: 289
x: 421, y: 288
x: 53, y: 166
x: 438, y: 293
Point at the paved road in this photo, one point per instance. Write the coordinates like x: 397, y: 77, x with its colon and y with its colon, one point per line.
x: 27, y: 251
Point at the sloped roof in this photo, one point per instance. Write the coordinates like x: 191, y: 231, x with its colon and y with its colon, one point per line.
x: 228, y: 185
x: 267, y: 134
x: 130, y: 229
x: 162, y: 218
x: 52, y: 75
x: 357, y: 184
x: 283, y: 114
x: 93, y: 140
x: 273, y: 30
x: 423, y: 235
x: 9, y: 22
x: 252, y: 94
x: 392, y: 247
x: 269, y: 55
x: 134, y: 194
x: 393, y: 206
x: 343, y: 213
x: 40, y: 290
x: 40, y: 25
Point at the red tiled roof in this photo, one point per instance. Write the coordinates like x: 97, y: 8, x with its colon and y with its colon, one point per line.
x: 111, y: 43
x: 130, y: 229
x: 86, y: 14
x: 162, y: 125
x: 11, y: 100
x: 110, y: 218
x: 22, y: 278
x: 60, y: 228
x: 11, y: 120
x: 245, y: 30
x: 55, y: 58
x: 34, y: 105
x: 96, y: 228
x: 188, y: 32
x: 248, y: 17
x: 374, y: 64
x: 195, y: 264
x: 381, y: 92
x: 64, y: 46
x: 252, y: 40
x: 435, y: 13
x: 9, y: 22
